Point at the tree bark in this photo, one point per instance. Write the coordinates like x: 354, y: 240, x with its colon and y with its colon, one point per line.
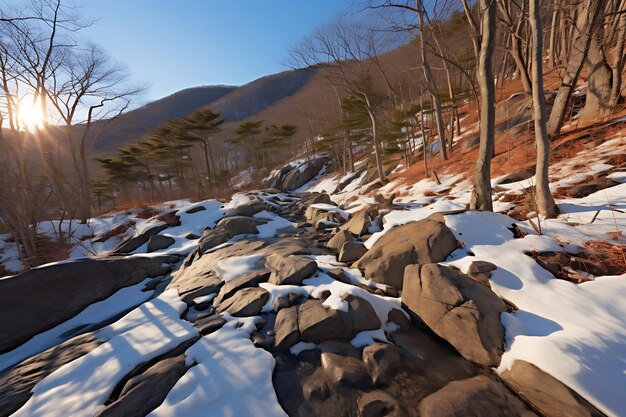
x: 588, y: 15
x: 543, y: 197
x: 481, y: 194
x: 599, y: 82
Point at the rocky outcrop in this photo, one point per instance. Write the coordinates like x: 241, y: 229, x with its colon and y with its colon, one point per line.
x: 478, y: 396
x: 313, y: 322
x: 458, y: 309
x: 158, y: 242
x: 546, y: 393
x: 290, y: 270
x: 41, y: 298
x: 134, y: 243
x: 337, y: 241
x: 420, y: 242
x: 246, y: 302
x: 16, y: 384
x: 145, y: 392
x: 290, y: 178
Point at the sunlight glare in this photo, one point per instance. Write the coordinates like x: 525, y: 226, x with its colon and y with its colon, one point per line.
x: 30, y: 114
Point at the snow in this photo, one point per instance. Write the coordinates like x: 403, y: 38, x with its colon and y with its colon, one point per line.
x: 146, y: 332
x: 331, y: 209
x: 274, y: 224
x: 367, y: 337
x: 300, y: 347
x: 231, y: 268
x: 576, y: 333
x: 204, y: 298
x: 229, y: 377
x: 120, y: 301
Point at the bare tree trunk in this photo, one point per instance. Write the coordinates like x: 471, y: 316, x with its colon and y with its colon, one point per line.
x: 481, y: 194
x: 599, y: 82
x: 553, y: 31
x: 377, y: 150
x: 432, y: 88
x: 618, y: 59
x: 424, y: 139
x: 545, y: 202
x: 588, y: 15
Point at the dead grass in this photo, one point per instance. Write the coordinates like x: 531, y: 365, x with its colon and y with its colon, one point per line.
x: 611, y: 255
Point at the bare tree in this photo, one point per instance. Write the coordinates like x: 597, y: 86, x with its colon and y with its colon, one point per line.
x: 589, y: 12
x: 543, y: 197
x: 481, y: 194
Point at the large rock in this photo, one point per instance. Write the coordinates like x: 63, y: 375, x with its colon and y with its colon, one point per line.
x: 351, y: 251
x: 358, y: 224
x: 286, y: 327
x: 318, y: 323
x: 158, y: 242
x: 420, y: 242
x: 239, y: 225
x: 246, y: 302
x: 145, y: 392
x: 546, y: 393
x: 302, y: 174
x: 345, y: 370
x: 17, y: 383
x: 478, y: 397
x: 459, y: 309
x: 41, y: 298
x: 378, y: 404
x: 136, y: 242
x: 383, y: 361
x: 337, y: 241
x: 290, y: 270
x: 249, y: 279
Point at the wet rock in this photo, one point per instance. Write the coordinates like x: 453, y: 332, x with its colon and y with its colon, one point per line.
x: 338, y: 347
x: 382, y: 361
x: 43, y: 297
x: 246, y: 302
x: 345, y: 370
x: 478, y: 396
x: 420, y: 242
x: 351, y: 251
x: 337, y: 241
x: 458, y: 309
x: 546, y: 393
x: 290, y: 270
x: 158, y: 242
x: 378, y: 404
x: 316, y: 387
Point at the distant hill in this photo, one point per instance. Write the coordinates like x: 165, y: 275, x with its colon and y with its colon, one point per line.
x: 234, y: 103
x: 136, y: 123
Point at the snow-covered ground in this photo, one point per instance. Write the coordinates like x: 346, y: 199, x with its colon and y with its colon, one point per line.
x: 577, y: 333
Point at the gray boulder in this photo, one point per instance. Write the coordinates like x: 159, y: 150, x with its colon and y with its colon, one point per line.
x: 134, y: 243
x: 43, y: 297
x: 420, y: 242
x: 290, y: 270
x: 145, y: 392
x: 246, y: 302
x: 239, y: 225
x: 158, y: 242
x: 458, y: 309
x: 383, y: 361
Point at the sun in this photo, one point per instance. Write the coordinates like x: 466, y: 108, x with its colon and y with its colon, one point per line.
x: 29, y: 114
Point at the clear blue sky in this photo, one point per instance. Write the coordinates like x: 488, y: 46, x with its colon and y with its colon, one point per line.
x: 174, y: 44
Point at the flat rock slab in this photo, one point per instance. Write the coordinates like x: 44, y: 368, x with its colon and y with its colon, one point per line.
x: 43, y: 297
x: 246, y: 302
